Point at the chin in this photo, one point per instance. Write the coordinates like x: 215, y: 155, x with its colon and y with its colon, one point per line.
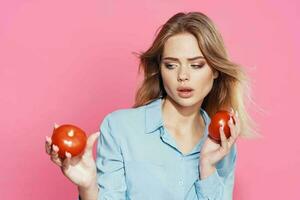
x: 186, y: 102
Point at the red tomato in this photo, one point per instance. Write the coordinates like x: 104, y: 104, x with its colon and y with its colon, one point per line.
x: 221, y: 117
x: 69, y: 138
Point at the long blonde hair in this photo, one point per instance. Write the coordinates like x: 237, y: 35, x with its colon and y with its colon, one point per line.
x: 229, y: 89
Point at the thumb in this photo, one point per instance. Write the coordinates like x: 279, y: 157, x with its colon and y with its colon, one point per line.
x: 90, y: 142
x: 55, y: 126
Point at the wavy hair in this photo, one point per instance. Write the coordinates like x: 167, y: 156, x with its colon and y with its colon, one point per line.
x: 229, y: 89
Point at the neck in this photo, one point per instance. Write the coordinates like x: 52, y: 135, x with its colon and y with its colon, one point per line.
x: 182, y: 119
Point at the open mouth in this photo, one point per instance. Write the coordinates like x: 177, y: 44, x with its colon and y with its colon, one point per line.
x: 185, y: 93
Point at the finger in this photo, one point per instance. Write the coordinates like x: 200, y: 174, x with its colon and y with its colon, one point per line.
x: 224, y: 144
x: 56, y: 125
x: 231, y: 111
x: 48, y: 140
x: 232, y: 127
x: 54, y: 155
x: 48, y: 145
x: 54, y: 151
x: 222, y: 150
x: 90, y: 143
x: 232, y: 114
x: 67, y: 161
x: 57, y: 161
x: 238, y: 123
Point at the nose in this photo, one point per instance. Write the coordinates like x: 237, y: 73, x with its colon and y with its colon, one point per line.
x: 183, y: 75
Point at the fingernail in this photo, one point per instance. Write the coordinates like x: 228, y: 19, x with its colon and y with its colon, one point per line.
x: 222, y: 126
x: 68, y: 155
x: 236, y: 114
x: 55, y: 148
x: 47, y: 139
x: 230, y: 120
x: 55, y: 125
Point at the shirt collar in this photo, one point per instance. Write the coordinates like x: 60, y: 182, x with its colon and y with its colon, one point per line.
x: 153, y: 115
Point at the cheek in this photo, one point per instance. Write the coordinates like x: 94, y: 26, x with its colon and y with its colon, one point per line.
x: 168, y: 80
x: 205, y: 83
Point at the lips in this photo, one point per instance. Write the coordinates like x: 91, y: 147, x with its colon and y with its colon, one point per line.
x: 185, y: 92
x: 184, y: 89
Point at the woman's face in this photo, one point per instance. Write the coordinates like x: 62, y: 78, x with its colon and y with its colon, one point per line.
x: 183, y: 64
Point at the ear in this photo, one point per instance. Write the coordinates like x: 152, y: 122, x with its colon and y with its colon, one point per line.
x: 216, y: 74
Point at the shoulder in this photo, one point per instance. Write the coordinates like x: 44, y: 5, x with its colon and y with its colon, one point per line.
x: 126, y: 114
x: 124, y: 117
x: 122, y: 123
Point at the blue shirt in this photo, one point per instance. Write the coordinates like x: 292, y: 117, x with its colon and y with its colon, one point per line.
x: 137, y: 159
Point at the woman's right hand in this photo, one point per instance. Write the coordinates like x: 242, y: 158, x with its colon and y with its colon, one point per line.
x: 81, y: 170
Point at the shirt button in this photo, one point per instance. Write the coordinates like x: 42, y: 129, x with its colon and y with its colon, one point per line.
x: 181, y: 182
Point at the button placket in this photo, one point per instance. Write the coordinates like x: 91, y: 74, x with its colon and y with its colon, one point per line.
x: 181, y: 180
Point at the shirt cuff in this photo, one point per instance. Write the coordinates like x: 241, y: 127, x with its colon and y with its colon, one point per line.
x: 210, y: 186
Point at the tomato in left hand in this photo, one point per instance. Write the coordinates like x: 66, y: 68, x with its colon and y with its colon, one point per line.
x: 220, y: 118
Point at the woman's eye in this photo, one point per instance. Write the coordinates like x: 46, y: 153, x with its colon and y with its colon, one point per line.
x: 172, y: 66
x: 169, y: 66
x: 198, y: 66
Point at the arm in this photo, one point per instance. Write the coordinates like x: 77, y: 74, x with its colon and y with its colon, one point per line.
x: 89, y: 193
x: 110, y: 168
x: 216, y: 183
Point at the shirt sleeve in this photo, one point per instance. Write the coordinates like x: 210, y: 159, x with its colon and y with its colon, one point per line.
x: 219, y: 185
x: 110, y: 165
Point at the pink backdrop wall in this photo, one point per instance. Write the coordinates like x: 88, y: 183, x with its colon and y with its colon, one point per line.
x: 71, y: 61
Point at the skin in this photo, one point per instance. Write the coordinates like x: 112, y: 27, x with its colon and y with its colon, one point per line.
x: 181, y: 115
x: 80, y: 170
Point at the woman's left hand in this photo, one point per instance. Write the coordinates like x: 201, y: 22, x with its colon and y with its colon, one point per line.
x: 212, y: 152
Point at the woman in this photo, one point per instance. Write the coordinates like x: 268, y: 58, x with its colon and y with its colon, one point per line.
x: 159, y: 149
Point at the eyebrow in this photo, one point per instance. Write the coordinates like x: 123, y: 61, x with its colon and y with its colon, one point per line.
x: 176, y: 59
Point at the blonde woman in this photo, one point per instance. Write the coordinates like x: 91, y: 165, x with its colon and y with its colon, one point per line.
x: 159, y: 149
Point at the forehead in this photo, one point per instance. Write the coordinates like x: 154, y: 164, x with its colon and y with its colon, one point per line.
x: 184, y: 45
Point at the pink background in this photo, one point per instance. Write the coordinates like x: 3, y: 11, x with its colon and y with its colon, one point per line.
x: 71, y: 61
